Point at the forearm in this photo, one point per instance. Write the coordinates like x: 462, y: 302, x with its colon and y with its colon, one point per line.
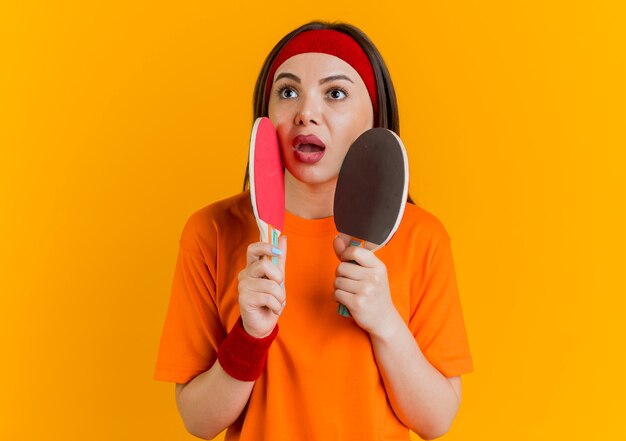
x: 212, y: 401
x: 422, y: 398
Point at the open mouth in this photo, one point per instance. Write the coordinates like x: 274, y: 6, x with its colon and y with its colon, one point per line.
x: 308, y: 148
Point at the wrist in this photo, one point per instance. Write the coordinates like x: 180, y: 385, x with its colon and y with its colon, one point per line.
x: 243, y: 356
x: 253, y: 334
x: 388, y: 327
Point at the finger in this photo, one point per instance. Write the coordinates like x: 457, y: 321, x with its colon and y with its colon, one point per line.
x: 351, y: 270
x: 264, y: 300
x: 274, y: 289
x: 362, y: 256
x: 345, y: 298
x: 347, y: 285
x: 258, y: 286
x: 341, y: 242
x: 259, y: 250
x: 264, y: 269
x: 264, y: 286
x: 274, y: 305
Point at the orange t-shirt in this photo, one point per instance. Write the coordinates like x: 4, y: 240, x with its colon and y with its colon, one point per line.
x: 321, y: 380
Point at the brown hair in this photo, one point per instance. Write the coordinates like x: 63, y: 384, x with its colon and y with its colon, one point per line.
x: 387, y: 104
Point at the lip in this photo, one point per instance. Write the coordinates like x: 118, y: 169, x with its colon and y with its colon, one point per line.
x: 308, y: 149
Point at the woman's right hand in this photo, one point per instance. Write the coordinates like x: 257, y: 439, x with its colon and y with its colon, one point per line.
x: 261, y: 288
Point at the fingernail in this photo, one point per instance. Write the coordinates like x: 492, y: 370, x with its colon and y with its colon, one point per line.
x: 276, y: 251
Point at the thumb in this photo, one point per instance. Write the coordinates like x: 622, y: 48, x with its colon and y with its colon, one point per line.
x: 341, y: 242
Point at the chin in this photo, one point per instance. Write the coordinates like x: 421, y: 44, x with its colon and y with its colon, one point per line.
x: 312, y: 177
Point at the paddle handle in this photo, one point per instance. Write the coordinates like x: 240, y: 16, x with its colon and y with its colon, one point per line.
x: 269, y: 234
x: 342, y: 310
x: 274, y: 234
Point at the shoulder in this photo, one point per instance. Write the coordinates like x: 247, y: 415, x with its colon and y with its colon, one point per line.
x: 227, y: 210
x: 231, y: 215
x: 421, y: 237
x: 419, y: 223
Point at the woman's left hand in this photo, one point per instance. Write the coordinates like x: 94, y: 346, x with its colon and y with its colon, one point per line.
x: 363, y: 287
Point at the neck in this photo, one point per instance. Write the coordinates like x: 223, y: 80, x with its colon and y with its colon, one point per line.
x: 309, y: 201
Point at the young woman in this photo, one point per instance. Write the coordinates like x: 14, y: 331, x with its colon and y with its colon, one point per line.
x: 260, y: 349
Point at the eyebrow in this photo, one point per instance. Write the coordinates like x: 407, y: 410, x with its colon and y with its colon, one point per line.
x: 322, y: 81
x: 335, y: 77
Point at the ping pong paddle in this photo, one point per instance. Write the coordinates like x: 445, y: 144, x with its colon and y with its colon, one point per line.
x: 267, y: 181
x: 371, y: 190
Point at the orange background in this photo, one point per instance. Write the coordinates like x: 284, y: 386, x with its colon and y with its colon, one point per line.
x: 119, y: 119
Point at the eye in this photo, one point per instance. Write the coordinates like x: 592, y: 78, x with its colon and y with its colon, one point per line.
x: 337, y: 94
x: 286, y: 93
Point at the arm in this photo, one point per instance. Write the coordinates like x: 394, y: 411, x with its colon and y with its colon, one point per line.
x: 421, y: 397
x: 213, y: 400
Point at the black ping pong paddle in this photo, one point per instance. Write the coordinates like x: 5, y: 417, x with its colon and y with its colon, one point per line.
x: 371, y: 191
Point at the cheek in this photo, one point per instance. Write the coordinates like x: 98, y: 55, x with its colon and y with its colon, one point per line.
x: 277, y: 119
x: 279, y: 115
x: 362, y: 114
x: 273, y: 111
x: 366, y: 115
x: 350, y: 126
x: 283, y: 138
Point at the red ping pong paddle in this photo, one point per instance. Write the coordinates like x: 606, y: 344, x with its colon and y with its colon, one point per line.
x: 371, y: 191
x: 267, y: 181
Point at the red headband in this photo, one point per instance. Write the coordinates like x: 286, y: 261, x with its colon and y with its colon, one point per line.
x: 328, y: 41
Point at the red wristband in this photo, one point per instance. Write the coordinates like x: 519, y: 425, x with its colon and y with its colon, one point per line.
x: 242, y: 356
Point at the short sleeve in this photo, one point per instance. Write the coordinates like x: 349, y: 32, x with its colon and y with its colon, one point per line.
x: 436, y: 318
x: 192, y: 331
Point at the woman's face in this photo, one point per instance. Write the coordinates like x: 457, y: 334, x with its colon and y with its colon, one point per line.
x: 319, y: 106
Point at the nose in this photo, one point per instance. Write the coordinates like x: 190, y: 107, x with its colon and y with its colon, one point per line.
x: 309, y: 111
